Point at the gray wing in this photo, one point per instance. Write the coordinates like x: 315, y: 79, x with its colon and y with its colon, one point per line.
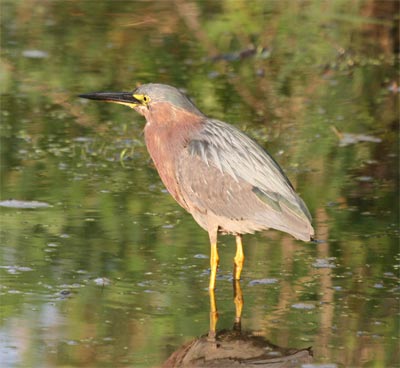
x: 233, y: 152
x: 226, y: 172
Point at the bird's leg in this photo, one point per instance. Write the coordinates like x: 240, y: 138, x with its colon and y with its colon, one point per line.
x: 214, y: 259
x: 239, y: 258
x: 238, y: 300
x: 213, y: 317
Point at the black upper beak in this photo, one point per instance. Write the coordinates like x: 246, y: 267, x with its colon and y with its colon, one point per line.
x: 117, y: 97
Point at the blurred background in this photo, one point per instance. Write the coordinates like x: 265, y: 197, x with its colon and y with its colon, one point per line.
x: 100, y: 267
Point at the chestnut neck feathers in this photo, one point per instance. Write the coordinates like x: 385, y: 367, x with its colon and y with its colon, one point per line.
x: 168, y: 130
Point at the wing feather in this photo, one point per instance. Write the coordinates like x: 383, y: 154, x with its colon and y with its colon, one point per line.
x: 247, y: 173
x: 235, y: 153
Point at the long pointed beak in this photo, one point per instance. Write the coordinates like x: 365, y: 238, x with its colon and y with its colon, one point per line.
x: 123, y: 98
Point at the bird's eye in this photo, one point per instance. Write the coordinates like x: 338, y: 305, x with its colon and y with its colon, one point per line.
x: 146, y: 99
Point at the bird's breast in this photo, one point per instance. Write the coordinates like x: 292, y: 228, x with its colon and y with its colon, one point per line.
x: 165, y: 144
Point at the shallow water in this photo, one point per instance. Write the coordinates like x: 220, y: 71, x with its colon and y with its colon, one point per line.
x: 100, y: 267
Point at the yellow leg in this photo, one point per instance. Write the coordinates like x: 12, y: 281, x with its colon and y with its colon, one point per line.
x: 214, y: 259
x: 213, y: 316
x: 238, y: 300
x: 239, y: 258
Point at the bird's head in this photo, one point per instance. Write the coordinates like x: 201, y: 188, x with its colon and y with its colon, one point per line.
x: 148, y: 99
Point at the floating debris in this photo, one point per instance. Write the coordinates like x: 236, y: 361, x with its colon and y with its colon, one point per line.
x: 365, y: 179
x: 323, y: 263
x: 15, y: 203
x: 24, y: 269
x: 14, y: 291
x: 263, y: 282
x: 16, y: 269
x: 346, y: 139
x: 306, y: 306
x: 213, y: 74
x: 83, y: 139
x: 75, y: 285
x: 200, y: 256
x: 35, y: 54
x: 102, y: 281
x: 168, y: 226
x: 259, y: 52
x: 65, y: 292
x: 389, y: 274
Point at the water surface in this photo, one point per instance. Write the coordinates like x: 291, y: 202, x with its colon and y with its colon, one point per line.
x: 100, y: 267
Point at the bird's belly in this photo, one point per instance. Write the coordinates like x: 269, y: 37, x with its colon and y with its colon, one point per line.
x: 166, y: 171
x: 226, y: 225
x: 216, y: 200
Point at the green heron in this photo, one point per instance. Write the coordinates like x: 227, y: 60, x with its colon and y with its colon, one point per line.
x: 222, y: 177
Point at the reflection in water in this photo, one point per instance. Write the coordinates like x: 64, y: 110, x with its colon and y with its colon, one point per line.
x: 231, y: 348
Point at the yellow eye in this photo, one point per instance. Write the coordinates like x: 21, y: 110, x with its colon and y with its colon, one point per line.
x: 143, y: 99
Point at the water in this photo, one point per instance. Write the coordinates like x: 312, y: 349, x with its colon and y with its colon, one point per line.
x: 100, y: 267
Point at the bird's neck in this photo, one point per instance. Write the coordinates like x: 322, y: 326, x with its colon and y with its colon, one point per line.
x: 169, y: 128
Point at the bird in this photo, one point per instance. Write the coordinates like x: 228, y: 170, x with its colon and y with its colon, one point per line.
x: 217, y: 173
